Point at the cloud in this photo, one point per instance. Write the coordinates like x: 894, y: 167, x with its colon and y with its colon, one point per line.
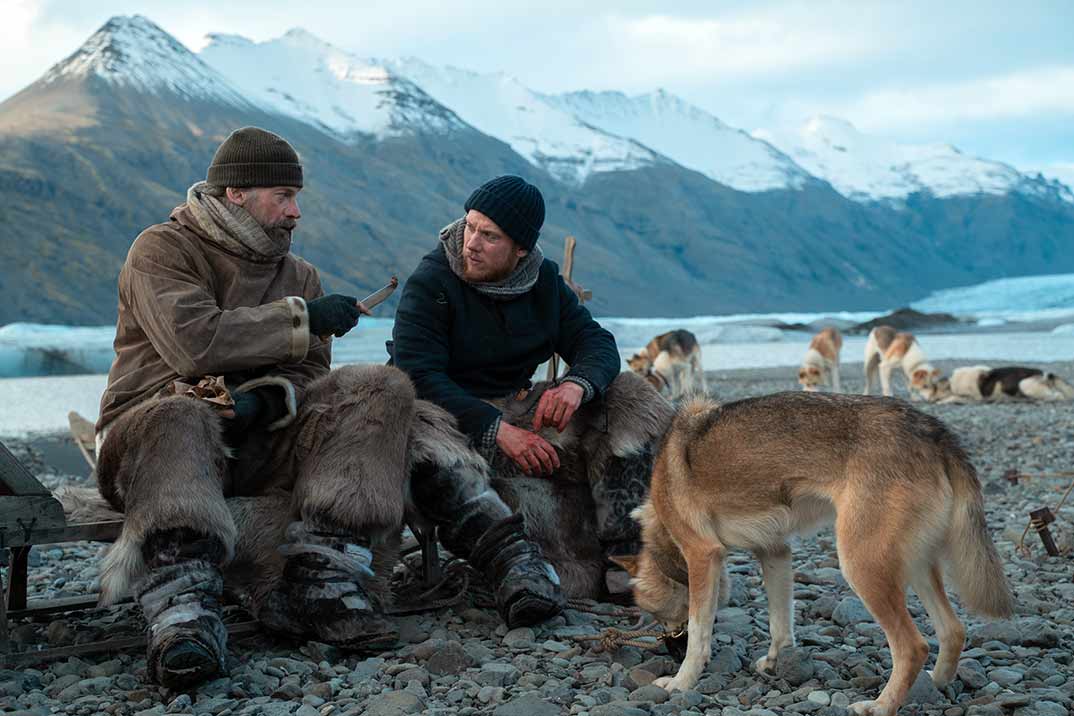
x: 1026, y: 93
x: 730, y: 48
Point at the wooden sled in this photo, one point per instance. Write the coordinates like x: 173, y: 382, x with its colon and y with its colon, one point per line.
x: 30, y: 515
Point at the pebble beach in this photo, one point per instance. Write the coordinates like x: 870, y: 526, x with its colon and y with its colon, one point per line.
x: 461, y: 660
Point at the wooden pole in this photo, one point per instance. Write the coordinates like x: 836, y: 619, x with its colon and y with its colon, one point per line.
x: 566, y: 270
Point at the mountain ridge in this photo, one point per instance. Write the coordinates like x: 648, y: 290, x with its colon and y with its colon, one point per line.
x: 90, y: 160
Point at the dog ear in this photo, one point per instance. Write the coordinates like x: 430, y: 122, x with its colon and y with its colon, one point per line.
x: 935, y: 373
x: 801, y: 375
x: 918, y: 376
x: 628, y: 562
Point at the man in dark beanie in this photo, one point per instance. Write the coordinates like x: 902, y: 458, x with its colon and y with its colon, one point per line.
x: 478, y: 315
x: 232, y: 450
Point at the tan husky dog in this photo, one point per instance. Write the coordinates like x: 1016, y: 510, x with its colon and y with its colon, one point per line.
x: 671, y: 362
x: 901, y: 492
x: 886, y: 350
x: 820, y: 367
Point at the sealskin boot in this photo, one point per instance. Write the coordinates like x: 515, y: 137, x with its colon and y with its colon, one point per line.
x: 187, y: 641
x: 322, y: 596
x: 527, y: 586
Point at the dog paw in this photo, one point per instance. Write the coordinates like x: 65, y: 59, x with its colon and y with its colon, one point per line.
x: 871, y: 708
x: 939, y: 680
x: 671, y: 683
x: 765, y: 663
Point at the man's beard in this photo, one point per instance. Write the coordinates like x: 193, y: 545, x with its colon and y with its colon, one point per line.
x: 280, y: 231
x: 485, y: 273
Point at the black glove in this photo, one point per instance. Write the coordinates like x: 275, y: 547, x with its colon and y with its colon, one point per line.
x: 255, y: 408
x: 334, y: 314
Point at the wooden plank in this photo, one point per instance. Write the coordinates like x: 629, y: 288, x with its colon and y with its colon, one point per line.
x: 3, y: 610
x: 16, y: 578
x: 63, y: 604
x: 27, y: 658
x: 85, y: 437
x: 15, y: 479
x: 79, y: 532
x: 24, y: 516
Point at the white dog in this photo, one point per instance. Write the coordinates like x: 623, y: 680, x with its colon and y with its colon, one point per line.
x: 820, y: 367
x: 886, y: 350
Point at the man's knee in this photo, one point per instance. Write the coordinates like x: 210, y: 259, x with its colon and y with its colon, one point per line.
x: 384, y: 385
x: 166, y: 439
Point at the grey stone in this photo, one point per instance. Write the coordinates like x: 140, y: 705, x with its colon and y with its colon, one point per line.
x: 523, y: 636
x: 924, y: 691
x: 1043, y: 708
x: 804, y: 707
x: 972, y: 674
x: 180, y: 704
x: 497, y: 674
x: 1005, y: 677
x: 794, y: 665
x: 655, y: 694
x: 1036, y: 633
x: 1005, y: 632
x: 819, y: 697
x: 451, y: 658
x: 850, y: 610
x: 619, y: 708
x: 394, y: 703
x: 725, y: 661
x: 528, y: 706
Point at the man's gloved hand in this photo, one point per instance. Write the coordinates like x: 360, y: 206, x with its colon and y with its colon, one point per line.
x: 334, y: 314
x: 254, y: 408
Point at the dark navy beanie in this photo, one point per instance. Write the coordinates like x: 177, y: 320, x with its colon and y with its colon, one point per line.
x: 516, y: 206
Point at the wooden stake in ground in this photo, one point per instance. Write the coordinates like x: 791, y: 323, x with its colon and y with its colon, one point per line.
x: 583, y: 295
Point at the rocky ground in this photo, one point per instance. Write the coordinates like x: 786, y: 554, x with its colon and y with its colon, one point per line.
x: 461, y: 661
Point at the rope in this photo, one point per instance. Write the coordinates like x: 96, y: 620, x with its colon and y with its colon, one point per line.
x: 612, y: 639
x: 1039, y: 525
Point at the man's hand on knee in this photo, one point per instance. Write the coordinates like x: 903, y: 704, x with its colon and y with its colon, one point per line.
x: 530, y: 451
x: 557, y: 405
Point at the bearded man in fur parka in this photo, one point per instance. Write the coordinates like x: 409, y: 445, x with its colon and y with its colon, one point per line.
x: 480, y: 313
x: 294, y: 494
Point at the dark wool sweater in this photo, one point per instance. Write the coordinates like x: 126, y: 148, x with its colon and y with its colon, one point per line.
x: 459, y: 346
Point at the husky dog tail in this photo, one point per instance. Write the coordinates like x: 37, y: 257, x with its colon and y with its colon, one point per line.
x: 971, y: 556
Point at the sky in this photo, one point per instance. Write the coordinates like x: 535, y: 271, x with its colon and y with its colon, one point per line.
x: 994, y: 79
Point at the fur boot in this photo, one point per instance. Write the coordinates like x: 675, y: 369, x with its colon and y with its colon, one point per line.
x: 187, y: 641
x: 477, y: 525
x: 324, y: 593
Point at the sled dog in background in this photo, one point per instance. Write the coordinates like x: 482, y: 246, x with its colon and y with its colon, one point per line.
x: 749, y: 474
x: 978, y: 383
x: 671, y: 362
x: 886, y: 350
x: 820, y: 367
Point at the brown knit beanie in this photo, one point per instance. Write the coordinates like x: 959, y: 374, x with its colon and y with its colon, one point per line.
x: 252, y: 157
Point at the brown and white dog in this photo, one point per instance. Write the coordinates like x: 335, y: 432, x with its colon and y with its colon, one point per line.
x: 671, y: 362
x: 820, y: 367
x: 903, y: 496
x: 886, y: 350
x: 978, y: 383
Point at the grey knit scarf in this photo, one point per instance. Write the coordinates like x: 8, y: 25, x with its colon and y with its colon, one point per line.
x: 231, y: 227
x: 522, y: 279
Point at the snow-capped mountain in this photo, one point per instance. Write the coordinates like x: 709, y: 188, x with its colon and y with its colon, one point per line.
x: 688, y: 135
x: 304, y: 77
x: 550, y: 137
x: 868, y: 168
x: 134, y: 52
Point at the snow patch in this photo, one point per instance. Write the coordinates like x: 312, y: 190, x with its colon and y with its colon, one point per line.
x: 535, y: 127
x: 134, y: 52
x: 304, y: 77
x: 689, y: 136
x: 867, y: 168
